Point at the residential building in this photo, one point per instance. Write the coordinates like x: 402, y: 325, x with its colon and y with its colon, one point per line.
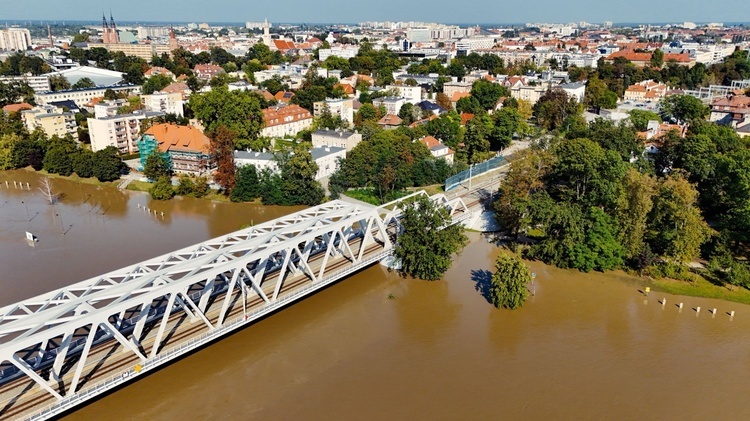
x: 83, y: 96
x: 327, y: 158
x: 144, y: 51
x: 342, y: 107
x: 15, y: 39
x: 575, y: 90
x: 412, y: 94
x: 644, y: 59
x: 392, y: 104
x: 450, y: 88
x: 390, y: 121
x: 656, y: 130
x: 338, y: 138
x: 168, y: 103
x: 108, y: 128
x: 54, y: 121
x: 153, y: 71
x: 207, y: 71
x: 731, y: 110
x: 343, y: 51
x: 528, y: 93
x: 261, y: 160
x: 187, y: 147
x: 438, y: 149
x: 38, y: 83
x: 647, y: 90
x: 17, y: 108
x: 287, y: 120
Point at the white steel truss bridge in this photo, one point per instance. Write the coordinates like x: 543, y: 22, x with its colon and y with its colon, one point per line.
x: 62, y: 348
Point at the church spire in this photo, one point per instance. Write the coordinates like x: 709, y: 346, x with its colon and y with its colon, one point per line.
x: 104, y: 21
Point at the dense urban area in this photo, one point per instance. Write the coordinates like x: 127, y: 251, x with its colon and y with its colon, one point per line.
x: 637, y: 158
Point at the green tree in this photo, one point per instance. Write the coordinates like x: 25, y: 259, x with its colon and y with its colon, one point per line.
x: 58, y: 83
x: 157, y: 166
x: 508, y: 283
x: 156, y: 83
x: 162, y: 189
x: 524, y: 177
x: 246, y: 187
x: 237, y: 111
x: 640, y: 118
x: 684, y: 107
x: 107, y: 164
x: 488, y: 93
x: 57, y: 160
x: 554, y: 108
x: 84, y: 83
x: 83, y: 163
x: 506, y: 121
x: 657, y: 58
x: 476, y: 140
x: 633, y: 210
x: 298, y: 172
x: 426, y: 244
x: 677, y: 229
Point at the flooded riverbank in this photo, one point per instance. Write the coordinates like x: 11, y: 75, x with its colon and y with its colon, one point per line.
x: 586, y: 346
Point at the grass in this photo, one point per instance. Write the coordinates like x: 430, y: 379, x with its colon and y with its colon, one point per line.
x: 137, y: 185
x: 91, y: 180
x: 702, y: 288
x: 371, y: 196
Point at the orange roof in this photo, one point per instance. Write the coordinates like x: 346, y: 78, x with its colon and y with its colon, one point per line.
x: 275, y: 116
x: 283, y: 96
x: 348, y: 89
x: 283, y: 45
x: 465, y: 117
x: 459, y: 95
x: 13, y: 108
x: 181, y: 138
x: 430, y: 141
x: 390, y: 120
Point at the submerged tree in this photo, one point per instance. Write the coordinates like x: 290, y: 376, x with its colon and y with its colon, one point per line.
x: 427, y: 243
x: 508, y: 284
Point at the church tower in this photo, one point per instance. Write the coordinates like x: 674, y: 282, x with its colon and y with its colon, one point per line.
x: 109, y: 32
x: 173, y: 45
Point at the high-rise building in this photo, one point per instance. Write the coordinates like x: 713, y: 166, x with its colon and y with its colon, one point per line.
x: 15, y: 39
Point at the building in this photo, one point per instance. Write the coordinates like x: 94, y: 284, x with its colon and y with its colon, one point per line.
x: 108, y: 128
x: 167, y: 103
x: 17, y: 108
x: 575, y: 90
x: 392, y: 104
x: 390, y: 121
x: 644, y: 59
x: 100, y: 77
x: 732, y: 110
x: 54, y: 121
x: 450, y: 88
x: 83, y: 96
x: 343, y: 51
x: 109, y: 31
x: 207, y: 71
x: 261, y: 160
x: 327, y: 158
x: 15, y: 39
x: 287, y: 120
x: 38, y: 83
x: 342, y: 107
x: 412, y: 94
x: 438, y: 149
x: 144, y: 51
x: 187, y: 148
x: 154, y: 71
x: 337, y: 138
x: 647, y: 90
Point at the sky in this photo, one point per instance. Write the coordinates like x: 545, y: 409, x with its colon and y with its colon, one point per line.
x: 352, y: 11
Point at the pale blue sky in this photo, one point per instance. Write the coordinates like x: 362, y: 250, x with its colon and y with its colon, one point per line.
x: 314, y: 11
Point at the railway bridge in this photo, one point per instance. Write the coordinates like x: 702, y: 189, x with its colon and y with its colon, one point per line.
x: 63, y: 348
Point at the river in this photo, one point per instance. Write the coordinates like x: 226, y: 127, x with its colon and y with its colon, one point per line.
x: 585, y: 346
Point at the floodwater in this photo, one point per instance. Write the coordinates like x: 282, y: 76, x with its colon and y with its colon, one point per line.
x: 586, y: 346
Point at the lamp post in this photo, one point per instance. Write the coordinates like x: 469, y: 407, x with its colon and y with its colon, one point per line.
x: 62, y: 226
x: 27, y: 210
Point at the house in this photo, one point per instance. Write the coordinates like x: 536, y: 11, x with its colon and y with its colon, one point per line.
x: 327, y: 158
x: 457, y: 96
x: 412, y: 94
x: 168, y: 103
x: 14, y: 108
x: 207, y: 71
x: 261, y: 160
x: 338, y: 138
x: 180, y: 87
x: 655, y: 130
x: 283, y: 96
x: 54, y: 121
x: 390, y: 121
x: 342, y: 107
x: 731, y: 110
x: 438, y: 149
x: 187, y: 147
x: 392, y: 104
x: 647, y: 90
x: 450, y: 88
x: 642, y: 59
x: 158, y: 71
x: 430, y: 106
x: 286, y: 120
x: 83, y: 96
x: 575, y: 90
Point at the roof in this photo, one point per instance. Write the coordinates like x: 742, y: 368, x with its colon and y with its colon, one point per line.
x: 334, y: 133
x: 390, y: 120
x: 275, y: 116
x: 253, y: 155
x: 283, y: 45
x: 100, y: 77
x: 181, y: 138
x: 459, y: 95
x: 430, y: 141
x: 284, y: 96
x: 465, y: 117
x: 12, y: 108
x: 323, y: 151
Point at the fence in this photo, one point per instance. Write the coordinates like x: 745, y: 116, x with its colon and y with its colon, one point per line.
x: 475, y: 170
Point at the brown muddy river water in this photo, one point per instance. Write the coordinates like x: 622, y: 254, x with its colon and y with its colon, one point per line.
x: 586, y: 346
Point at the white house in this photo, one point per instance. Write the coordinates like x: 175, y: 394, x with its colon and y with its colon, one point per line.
x: 327, y: 158
x: 412, y: 94
x: 261, y: 160
x: 337, y: 138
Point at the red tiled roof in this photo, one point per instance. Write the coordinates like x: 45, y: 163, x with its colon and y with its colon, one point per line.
x: 275, y: 116
x: 390, y: 120
x: 13, y: 108
x: 184, y: 138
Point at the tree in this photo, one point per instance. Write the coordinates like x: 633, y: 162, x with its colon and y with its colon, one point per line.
x: 156, y: 83
x: 443, y: 101
x: 488, y: 93
x: 408, y: 114
x: 684, y: 107
x: 298, y: 172
x: 506, y: 123
x: 107, y: 164
x: 524, y: 177
x: 162, y: 189
x: 640, y: 118
x: 246, y: 187
x: 657, y: 58
x: 553, y: 109
x: 83, y: 163
x: 634, y: 207
x: 222, y: 150
x: 469, y: 104
x: 84, y: 83
x: 427, y: 243
x: 508, y: 284
x: 476, y: 140
x: 58, y: 83
x: 157, y: 165
x: 57, y: 160
x: 677, y: 229
x: 237, y: 111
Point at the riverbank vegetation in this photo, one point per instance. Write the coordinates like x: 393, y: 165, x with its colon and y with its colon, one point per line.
x: 427, y: 243
x: 508, y: 285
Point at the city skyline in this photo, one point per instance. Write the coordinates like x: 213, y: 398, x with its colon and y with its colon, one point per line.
x: 338, y: 11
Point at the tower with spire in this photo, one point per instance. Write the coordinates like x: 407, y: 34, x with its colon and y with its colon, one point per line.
x: 173, y: 45
x: 109, y: 32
